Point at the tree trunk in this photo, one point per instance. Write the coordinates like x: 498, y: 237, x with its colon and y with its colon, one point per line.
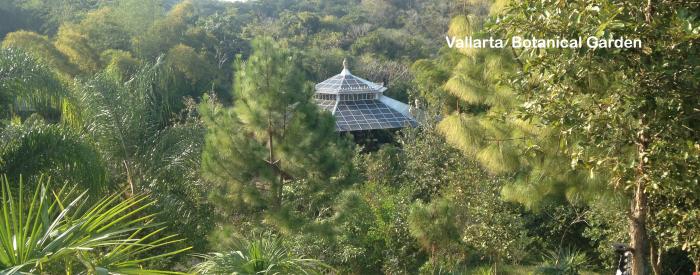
x: 638, y: 211
x: 638, y: 230
x: 280, y: 184
x: 495, y: 266
x: 655, y: 257
x: 275, y: 186
x: 638, y: 234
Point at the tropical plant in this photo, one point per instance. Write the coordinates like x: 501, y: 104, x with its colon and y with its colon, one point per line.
x: 146, y: 146
x: 55, y: 229
x: 27, y: 84
x: 75, y: 46
x: 262, y: 255
x: 565, y: 261
x: 40, y: 47
x: 34, y: 147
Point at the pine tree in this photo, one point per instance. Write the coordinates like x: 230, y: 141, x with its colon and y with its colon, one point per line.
x: 273, y: 147
x: 433, y: 225
x: 484, y: 123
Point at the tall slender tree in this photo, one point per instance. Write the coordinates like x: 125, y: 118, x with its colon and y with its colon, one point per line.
x: 274, y: 139
x: 482, y: 121
x: 146, y: 148
x: 631, y: 113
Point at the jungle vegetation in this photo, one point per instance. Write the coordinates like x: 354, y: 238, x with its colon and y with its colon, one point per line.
x: 180, y: 136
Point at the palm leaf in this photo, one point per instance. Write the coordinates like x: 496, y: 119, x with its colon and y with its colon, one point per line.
x: 35, y: 148
x: 263, y: 255
x: 27, y: 84
x: 45, y: 233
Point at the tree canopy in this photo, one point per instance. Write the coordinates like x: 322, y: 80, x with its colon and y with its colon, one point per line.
x: 166, y: 126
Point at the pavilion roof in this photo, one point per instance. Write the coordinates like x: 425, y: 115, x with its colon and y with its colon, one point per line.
x: 359, y: 105
x: 347, y: 83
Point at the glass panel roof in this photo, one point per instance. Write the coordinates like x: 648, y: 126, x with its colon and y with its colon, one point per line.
x: 354, y: 110
x: 345, y: 82
x: 365, y: 115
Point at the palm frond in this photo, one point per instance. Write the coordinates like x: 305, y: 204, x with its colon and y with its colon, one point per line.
x: 263, y: 255
x: 35, y: 148
x: 50, y: 230
x: 27, y: 85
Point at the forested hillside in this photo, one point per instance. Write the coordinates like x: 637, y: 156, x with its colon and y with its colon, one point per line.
x: 182, y: 136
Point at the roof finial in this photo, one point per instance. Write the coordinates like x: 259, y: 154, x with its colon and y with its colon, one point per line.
x: 345, y: 67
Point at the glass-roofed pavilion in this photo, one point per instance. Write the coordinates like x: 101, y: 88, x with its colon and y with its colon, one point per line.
x: 360, y: 105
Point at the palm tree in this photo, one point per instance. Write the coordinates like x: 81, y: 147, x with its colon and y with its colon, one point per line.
x: 32, y: 148
x: 27, y: 84
x: 110, y: 132
x: 55, y: 230
x: 145, y: 146
x: 263, y: 255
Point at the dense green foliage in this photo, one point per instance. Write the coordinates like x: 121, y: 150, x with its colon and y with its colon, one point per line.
x: 627, y: 115
x: 263, y: 255
x: 564, y: 128
x: 26, y: 82
x: 56, y: 229
x: 35, y: 147
x: 195, y: 119
x: 273, y: 150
